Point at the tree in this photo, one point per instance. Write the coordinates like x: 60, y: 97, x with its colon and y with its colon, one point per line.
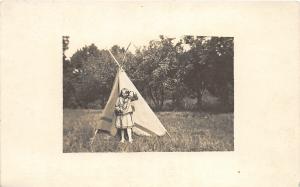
x: 65, y: 43
x: 196, y: 66
x: 156, y: 71
x: 221, y: 82
x: 162, y: 70
x: 69, y: 99
x: 94, y: 72
x: 209, y: 66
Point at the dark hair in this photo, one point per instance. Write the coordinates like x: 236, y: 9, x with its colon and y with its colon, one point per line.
x: 126, y: 91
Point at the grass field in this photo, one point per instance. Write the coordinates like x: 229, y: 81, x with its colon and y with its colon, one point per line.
x: 190, y: 131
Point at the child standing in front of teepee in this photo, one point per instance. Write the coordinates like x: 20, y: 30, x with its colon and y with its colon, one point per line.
x: 124, y: 110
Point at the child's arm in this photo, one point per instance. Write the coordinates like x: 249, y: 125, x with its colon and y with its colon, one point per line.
x: 133, y: 96
x: 117, y: 106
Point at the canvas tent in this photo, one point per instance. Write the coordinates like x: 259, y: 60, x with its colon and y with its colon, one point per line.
x: 146, y: 122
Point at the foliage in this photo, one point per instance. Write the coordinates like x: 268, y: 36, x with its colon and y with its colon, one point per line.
x: 69, y: 99
x: 94, y: 72
x: 158, y: 70
x: 209, y: 66
x: 165, y: 70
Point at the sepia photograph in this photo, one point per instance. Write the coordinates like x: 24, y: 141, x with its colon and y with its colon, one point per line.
x: 149, y: 93
x: 172, y: 94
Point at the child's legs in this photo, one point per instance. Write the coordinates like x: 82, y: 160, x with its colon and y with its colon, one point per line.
x: 122, y: 135
x: 129, y: 132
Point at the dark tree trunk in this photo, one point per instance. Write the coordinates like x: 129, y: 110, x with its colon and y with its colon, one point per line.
x: 152, y: 97
x: 199, y: 100
x: 162, y: 98
x: 199, y: 96
x: 157, y: 96
x: 103, y: 99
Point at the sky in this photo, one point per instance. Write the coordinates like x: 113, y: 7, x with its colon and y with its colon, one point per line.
x: 109, y: 23
x: 102, y: 43
x: 112, y: 23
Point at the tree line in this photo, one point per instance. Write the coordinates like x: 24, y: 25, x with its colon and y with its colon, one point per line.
x: 164, y: 70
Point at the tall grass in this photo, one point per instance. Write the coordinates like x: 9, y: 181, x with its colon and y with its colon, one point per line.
x: 190, y: 131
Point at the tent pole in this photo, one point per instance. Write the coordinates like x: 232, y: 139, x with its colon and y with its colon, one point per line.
x: 125, y: 52
x: 93, y: 138
x: 168, y: 134
x: 114, y: 58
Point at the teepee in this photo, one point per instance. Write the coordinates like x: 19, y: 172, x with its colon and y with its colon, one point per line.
x: 145, y: 121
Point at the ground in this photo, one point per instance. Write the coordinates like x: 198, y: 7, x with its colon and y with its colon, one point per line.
x: 190, y: 131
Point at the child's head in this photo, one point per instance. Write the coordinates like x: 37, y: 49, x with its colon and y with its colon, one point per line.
x: 124, y: 92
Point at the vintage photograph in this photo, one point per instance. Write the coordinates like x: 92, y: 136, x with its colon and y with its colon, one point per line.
x: 149, y: 94
x: 171, y: 94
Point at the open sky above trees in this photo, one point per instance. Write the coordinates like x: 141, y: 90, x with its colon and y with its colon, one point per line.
x: 105, y: 43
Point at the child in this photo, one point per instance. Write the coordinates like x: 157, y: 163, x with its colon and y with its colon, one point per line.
x: 124, y: 110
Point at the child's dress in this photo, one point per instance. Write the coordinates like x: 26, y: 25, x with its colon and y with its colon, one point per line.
x: 125, y: 109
